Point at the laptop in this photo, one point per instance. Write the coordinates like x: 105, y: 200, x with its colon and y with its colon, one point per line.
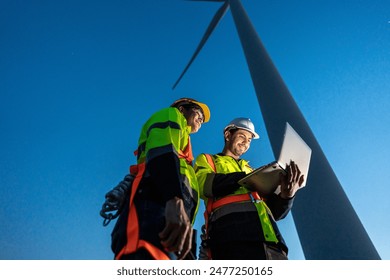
x: 266, y: 179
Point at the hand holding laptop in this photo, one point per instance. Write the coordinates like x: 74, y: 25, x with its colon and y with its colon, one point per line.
x: 290, y: 182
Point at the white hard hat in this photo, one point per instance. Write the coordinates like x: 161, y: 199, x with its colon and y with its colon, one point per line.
x: 243, y: 123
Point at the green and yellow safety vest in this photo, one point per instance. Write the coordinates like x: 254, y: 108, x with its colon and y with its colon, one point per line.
x: 166, y: 132
x: 207, y: 166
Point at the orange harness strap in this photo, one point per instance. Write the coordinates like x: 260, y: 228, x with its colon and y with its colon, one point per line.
x: 133, y: 242
x: 187, y: 153
x: 210, y: 161
x: 156, y: 253
x: 233, y: 199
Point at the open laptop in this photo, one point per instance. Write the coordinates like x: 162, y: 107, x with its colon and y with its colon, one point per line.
x: 266, y: 179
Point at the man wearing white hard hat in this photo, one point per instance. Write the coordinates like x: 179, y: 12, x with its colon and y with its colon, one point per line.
x: 239, y: 224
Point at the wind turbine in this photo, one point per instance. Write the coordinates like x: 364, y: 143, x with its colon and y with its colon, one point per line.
x: 327, y: 225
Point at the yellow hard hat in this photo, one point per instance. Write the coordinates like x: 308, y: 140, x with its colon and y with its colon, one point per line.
x: 188, y: 101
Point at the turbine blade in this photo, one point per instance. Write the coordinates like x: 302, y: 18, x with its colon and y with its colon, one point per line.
x: 214, y: 22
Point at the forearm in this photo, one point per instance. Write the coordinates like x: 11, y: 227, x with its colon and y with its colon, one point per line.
x: 164, y: 171
x: 225, y: 184
x: 279, y: 206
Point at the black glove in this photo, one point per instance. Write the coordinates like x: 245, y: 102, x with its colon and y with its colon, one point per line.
x: 115, y: 199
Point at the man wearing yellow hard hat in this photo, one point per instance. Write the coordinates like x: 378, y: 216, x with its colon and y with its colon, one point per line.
x: 161, y: 191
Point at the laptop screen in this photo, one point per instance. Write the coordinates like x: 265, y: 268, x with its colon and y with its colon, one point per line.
x: 294, y: 148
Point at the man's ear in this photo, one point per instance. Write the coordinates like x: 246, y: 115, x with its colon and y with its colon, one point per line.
x: 227, y: 134
x: 181, y: 109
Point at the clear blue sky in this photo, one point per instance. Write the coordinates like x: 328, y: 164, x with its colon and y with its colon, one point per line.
x: 79, y: 78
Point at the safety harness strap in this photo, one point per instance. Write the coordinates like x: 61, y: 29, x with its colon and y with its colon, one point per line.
x: 210, y: 161
x: 234, y: 199
x: 187, y: 153
x: 156, y: 253
x: 133, y: 242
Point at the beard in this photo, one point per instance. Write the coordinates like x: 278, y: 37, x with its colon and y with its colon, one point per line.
x: 239, y: 150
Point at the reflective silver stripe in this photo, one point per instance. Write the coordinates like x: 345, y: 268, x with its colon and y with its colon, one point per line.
x: 208, y: 185
x: 193, y: 193
x: 160, y: 125
x: 158, y: 151
x: 245, y: 206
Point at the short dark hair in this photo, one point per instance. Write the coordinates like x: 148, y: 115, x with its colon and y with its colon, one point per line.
x: 188, y: 106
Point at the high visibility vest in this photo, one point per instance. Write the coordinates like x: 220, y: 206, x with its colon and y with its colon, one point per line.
x: 206, y: 165
x: 165, y: 132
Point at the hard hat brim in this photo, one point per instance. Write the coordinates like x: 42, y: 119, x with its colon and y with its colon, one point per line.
x: 204, y: 107
x: 255, y: 135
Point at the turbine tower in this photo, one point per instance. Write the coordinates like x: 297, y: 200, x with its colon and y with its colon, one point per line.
x: 327, y: 225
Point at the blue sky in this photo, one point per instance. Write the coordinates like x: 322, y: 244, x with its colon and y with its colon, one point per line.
x: 79, y: 78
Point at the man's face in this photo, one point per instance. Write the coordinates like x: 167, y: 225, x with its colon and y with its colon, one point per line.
x: 194, y: 118
x: 238, y: 142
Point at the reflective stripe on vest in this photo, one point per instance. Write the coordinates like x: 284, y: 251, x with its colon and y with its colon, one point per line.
x: 165, y: 128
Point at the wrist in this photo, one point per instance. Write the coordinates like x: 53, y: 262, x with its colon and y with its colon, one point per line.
x: 286, y: 196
